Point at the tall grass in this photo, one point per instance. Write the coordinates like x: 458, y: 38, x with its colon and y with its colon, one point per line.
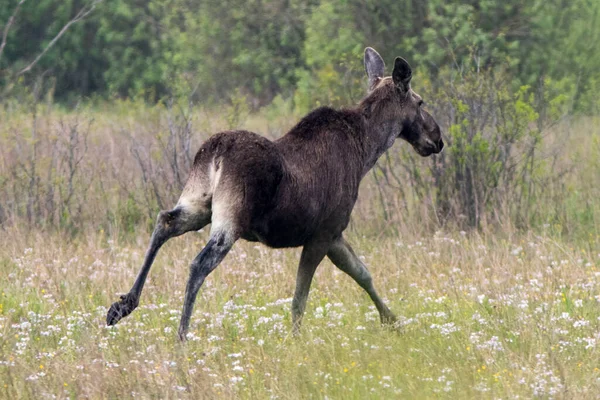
x: 113, y: 167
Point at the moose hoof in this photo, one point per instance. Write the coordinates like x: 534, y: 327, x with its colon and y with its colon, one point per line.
x: 390, y: 322
x: 389, y: 319
x: 121, y: 309
x: 182, y: 334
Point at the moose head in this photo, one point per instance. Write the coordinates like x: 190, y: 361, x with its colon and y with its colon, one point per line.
x: 396, y: 108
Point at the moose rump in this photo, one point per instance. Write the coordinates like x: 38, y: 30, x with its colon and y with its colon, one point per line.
x: 234, y: 181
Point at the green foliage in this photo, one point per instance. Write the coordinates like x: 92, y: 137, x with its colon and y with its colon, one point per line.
x: 492, y: 168
x: 135, y: 47
x: 220, y: 46
x: 298, y: 49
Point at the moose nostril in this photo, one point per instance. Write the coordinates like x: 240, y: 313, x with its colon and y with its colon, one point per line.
x: 437, y: 145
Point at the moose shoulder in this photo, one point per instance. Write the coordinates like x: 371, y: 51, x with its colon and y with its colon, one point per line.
x: 296, y: 191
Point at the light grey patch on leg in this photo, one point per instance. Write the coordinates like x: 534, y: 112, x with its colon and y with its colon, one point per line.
x: 342, y: 256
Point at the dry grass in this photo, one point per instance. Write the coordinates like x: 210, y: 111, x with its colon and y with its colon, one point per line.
x: 121, y: 172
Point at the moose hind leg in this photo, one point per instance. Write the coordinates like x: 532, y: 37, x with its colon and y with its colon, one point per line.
x: 130, y: 301
x: 312, y: 255
x: 206, y: 261
x: 168, y: 224
x: 343, y: 257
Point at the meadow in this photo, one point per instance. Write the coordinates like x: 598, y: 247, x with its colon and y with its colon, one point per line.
x: 501, y: 311
x: 479, y: 317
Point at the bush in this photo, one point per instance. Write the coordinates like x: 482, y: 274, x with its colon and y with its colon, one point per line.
x: 496, y: 166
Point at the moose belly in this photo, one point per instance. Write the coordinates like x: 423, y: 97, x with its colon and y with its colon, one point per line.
x: 281, y: 231
x: 295, y: 229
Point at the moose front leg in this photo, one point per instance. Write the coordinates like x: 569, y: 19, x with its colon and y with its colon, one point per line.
x: 312, y: 255
x: 342, y: 255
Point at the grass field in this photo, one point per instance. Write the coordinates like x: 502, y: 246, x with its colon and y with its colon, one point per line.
x: 479, y: 317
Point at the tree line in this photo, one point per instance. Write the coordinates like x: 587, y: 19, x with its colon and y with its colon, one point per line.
x: 302, y: 50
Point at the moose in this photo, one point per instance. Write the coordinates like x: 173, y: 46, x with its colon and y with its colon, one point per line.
x: 296, y: 191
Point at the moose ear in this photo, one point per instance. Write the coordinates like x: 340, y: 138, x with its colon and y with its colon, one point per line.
x: 374, y: 66
x: 402, y: 74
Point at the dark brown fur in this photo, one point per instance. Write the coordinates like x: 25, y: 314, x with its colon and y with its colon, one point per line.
x: 296, y: 191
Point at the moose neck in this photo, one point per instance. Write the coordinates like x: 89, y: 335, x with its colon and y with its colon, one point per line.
x: 379, y: 136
